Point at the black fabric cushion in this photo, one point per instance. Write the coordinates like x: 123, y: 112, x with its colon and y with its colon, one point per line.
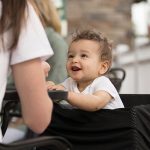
x: 142, y: 126
x: 119, y: 129
x: 130, y: 100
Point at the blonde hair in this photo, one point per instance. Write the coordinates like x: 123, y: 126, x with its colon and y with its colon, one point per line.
x: 48, y: 14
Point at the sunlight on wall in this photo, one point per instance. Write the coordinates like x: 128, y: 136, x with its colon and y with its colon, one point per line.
x: 140, y: 18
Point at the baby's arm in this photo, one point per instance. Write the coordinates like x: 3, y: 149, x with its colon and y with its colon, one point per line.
x: 89, y: 102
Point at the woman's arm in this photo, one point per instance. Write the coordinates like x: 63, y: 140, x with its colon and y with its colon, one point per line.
x: 31, y: 85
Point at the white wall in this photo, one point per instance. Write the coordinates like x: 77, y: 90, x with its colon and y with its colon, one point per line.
x: 137, y: 67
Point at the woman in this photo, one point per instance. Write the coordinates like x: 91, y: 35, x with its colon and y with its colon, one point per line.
x: 23, y: 44
x: 49, y: 17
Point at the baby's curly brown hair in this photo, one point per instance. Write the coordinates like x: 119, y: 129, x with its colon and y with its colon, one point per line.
x: 94, y: 35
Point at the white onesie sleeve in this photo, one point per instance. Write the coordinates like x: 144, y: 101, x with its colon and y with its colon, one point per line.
x: 103, y: 83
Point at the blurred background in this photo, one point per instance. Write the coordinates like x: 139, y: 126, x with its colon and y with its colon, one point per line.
x: 126, y: 23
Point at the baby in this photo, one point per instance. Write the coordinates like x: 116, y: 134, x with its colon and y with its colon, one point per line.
x: 89, y: 60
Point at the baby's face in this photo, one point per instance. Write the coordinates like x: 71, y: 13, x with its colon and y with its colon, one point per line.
x: 46, y: 68
x: 84, y: 63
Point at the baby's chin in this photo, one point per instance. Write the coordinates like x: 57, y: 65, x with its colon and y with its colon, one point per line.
x: 77, y: 79
x: 82, y: 80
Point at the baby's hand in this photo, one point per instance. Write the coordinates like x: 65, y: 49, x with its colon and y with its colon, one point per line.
x: 51, y: 86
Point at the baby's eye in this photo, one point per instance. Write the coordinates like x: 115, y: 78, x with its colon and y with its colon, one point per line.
x: 84, y: 56
x: 70, y: 56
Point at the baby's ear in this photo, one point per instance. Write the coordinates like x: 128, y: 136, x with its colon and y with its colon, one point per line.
x: 104, y: 66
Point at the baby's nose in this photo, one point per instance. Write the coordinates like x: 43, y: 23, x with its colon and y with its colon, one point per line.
x: 75, y: 59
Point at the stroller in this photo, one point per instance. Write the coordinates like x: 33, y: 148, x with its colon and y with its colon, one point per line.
x: 124, y: 128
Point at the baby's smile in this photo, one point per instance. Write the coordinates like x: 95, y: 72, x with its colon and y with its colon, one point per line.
x: 75, y: 68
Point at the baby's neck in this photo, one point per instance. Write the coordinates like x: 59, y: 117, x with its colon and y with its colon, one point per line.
x: 82, y: 85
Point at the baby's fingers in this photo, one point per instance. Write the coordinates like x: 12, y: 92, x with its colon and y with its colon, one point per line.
x: 50, y: 83
x: 60, y: 87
